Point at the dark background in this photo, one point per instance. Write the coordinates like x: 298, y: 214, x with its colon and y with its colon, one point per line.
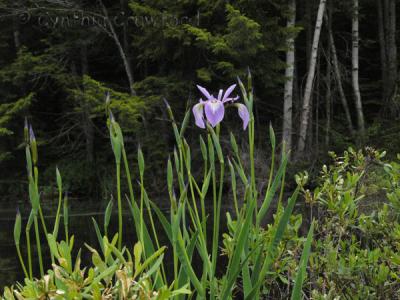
x: 59, y: 58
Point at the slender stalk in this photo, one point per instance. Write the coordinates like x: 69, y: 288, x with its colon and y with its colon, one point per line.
x: 197, y: 222
x: 272, y: 169
x: 21, y: 261
x: 283, y: 180
x: 38, y: 244
x: 217, y: 215
x: 251, y: 145
x: 203, y: 206
x: 235, y: 203
x: 57, y: 222
x: 42, y: 220
x: 253, y: 194
x: 36, y: 175
x: 65, y: 216
x: 66, y: 234
x: 119, y: 206
x: 174, y: 246
x: 153, y: 227
x: 44, y: 229
x: 128, y: 175
x: 181, y: 158
x: 214, y: 244
x: 28, y: 242
x: 176, y: 273
x: 141, y: 217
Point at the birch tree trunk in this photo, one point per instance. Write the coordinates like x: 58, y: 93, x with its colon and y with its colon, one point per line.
x: 289, y: 73
x: 305, y: 113
x: 355, y: 68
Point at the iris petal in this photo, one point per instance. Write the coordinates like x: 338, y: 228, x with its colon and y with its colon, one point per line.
x: 215, y: 112
x: 220, y: 94
x: 228, y: 93
x: 243, y: 114
x: 205, y: 92
x: 199, y: 115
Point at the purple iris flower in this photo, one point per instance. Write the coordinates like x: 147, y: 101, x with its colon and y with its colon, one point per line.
x: 214, y: 108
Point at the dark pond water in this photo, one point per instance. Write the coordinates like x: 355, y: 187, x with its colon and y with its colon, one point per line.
x: 81, y: 226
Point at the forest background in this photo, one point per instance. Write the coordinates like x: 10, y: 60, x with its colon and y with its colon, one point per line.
x: 325, y: 76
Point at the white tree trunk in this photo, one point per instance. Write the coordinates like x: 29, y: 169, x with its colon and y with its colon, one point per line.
x: 289, y: 73
x: 355, y: 68
x: 305, y: 113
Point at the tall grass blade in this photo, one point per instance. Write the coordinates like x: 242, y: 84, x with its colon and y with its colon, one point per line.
x: 259, y: 277
x: 301, y: 273
x: 107, y: 216
x: 163, y: 220
x: 148, y: 243
x: 185, y: 123
x: 66, y: 216
x: 186, y: 263
x: 98, y: 234
x: 240, y: 241
x: 272, y: 190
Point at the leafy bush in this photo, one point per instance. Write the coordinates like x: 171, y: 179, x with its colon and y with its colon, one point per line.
x: 358, y: 249
x: 356, y: 244
x: 114, y: 274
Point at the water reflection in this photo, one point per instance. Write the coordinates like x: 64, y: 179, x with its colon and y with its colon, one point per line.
x: 81, y: 226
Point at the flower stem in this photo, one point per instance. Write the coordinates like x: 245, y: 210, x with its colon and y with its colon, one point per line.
x: 57, y: 221
x: 141, y: 218
x: 38, y: 243
x: 28, y: 242
x: 119, y: 206
x: 21, y: 261
x: 128, y: 175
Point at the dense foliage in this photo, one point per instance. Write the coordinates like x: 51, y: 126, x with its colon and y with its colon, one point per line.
x: 356, y: 241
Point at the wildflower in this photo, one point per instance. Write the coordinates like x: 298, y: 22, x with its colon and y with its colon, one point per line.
x: 214, y: 108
